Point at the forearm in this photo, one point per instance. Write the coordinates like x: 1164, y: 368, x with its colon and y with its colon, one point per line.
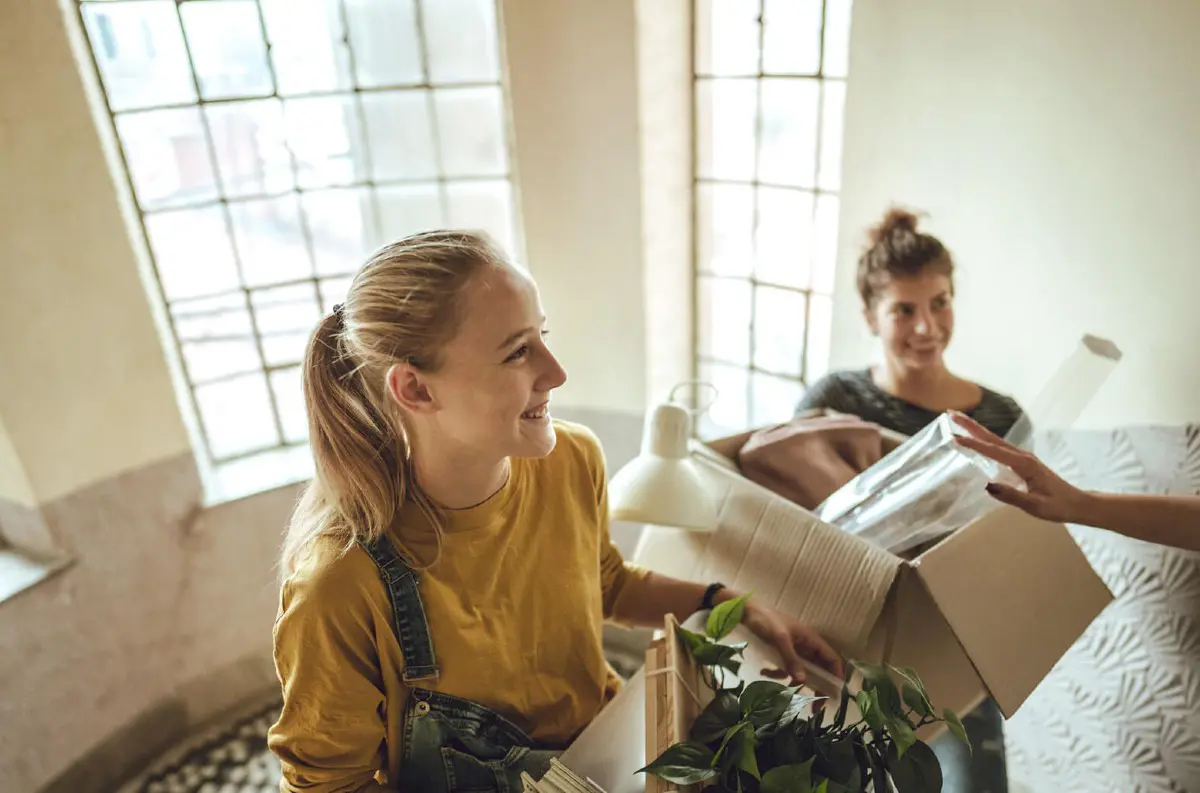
x: 647, y: 601
x: 1165, y: 520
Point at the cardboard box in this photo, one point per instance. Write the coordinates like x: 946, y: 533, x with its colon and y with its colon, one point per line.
x: 986, y: 611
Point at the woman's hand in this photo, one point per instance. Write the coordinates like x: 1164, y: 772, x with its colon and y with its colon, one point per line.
x: 1048, y: 497
x: 795, y: 643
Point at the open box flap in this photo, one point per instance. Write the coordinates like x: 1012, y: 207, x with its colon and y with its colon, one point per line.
x: 1017, y: 592
x: 788, y: 558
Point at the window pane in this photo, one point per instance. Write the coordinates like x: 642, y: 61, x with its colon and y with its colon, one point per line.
x: 792, y: 36
x: 400, y: 135
x: 724, y: 319
x: 216, y: 336
x: 252, y: 152
x: 783, y: 252
x: 729, y: 412
x: 462, y: 40
x: 285, y: 316
x: 483, y: 205
x: 325, y: 136
x: 237, y: 416
x: 773, y: 400
x: 470, y: 125
x: 270, y: 240
x: 727, y: 37
x: 140, y: 53
x: 384, y: 36
x: 778, y: 330
x: 228, y: 50
x: 193, y: 252
x: 407, y: 209
x: 289, y: 398
x: 725, y: 219
x: 832, y: 112
x: 342, y: 226
x: 837, y: 37
x: 725, y: 111
x: 333, y: 291
x: 307, y: 45
x: 788, y: 149
x: 820, y: 335
x: 825, y: 244
x: 168, y: 157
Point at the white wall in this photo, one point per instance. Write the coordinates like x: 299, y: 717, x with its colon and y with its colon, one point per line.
x: 1056, y: 146
x: 572, y: 71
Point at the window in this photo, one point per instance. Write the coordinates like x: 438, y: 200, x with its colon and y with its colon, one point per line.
x: 270, y: 145
x: 770, y: 83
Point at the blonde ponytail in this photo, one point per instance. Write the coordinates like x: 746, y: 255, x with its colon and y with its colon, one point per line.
x: 401, y: 306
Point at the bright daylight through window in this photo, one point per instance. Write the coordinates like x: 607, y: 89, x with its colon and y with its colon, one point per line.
x: 770, y: 91
x: 270, y: 145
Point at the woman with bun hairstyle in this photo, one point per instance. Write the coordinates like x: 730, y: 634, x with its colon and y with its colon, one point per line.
x: 906, y: 283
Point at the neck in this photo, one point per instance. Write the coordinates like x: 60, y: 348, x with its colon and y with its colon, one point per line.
x: 901, y: 381
x: 459, y: 480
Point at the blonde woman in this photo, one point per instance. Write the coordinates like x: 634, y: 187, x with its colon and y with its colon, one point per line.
x: 449, y: 568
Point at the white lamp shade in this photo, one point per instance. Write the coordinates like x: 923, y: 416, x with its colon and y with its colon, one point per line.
x: 662, y: 485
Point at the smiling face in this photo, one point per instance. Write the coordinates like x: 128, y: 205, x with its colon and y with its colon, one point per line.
x: 914, y: 318
x: 490, y: 393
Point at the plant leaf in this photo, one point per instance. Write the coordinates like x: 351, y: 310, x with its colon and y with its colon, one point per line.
x: 902, y: 735
x: 684, y: 764
x: 725, y: 617
x: 796, y: 707
x: 765, y: 701
x: 716, y: 719
x: 868, y: 705
x: 840, y: 764
x: 780, y: 748
x: 711, y: 654
x: 796, y: 778
x: 910, y: 676
x: 823, y: 787
x: 956, y: 726
x: 916, y: 700
x: 747, y: 758
x: 877, y: 678
x: 918, y: 771
x: 726, y: 756
x: 692, y: 640
x: 758, y: 691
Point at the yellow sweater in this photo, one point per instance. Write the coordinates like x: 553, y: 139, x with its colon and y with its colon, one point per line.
x: 515, y: 609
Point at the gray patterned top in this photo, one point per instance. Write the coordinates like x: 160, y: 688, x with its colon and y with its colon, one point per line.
x: 853, y: 391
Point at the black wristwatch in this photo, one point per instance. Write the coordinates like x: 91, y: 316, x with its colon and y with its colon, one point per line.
x: 706, y: 603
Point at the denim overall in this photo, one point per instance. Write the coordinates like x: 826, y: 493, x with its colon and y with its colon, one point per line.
x: 451, y: 745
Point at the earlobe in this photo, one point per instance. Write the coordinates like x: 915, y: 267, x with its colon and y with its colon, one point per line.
x: 405, y: 387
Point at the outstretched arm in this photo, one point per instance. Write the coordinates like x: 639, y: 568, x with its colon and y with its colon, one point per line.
x: 1165, y: 520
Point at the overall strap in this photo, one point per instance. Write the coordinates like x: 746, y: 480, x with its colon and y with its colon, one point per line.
x: 408, y: 614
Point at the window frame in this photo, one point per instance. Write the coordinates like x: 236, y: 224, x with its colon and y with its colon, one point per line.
x: 700, y: 359
x: 222, y: 472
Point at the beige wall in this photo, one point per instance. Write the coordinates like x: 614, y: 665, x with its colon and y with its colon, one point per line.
x: 84, y: 390
x: 1055, y: 147
x: 664, y: 59
x: 573, y: 88
x: 14, y: 484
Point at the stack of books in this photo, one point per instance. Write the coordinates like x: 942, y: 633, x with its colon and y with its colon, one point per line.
x: 559, y: 779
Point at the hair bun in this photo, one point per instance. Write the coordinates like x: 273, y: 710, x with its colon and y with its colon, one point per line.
x: 895, y: 220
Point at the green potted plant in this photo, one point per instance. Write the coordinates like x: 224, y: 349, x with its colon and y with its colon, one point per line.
x: 765, y: 737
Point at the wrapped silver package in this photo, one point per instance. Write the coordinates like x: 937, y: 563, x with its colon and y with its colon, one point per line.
x: 925, y: 489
